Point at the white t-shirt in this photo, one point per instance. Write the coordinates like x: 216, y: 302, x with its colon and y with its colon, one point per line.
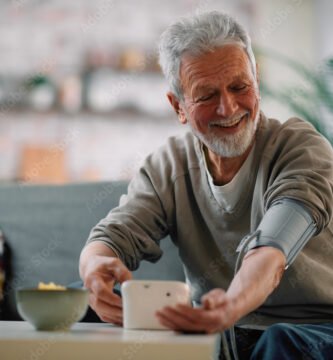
x: 227, y: 195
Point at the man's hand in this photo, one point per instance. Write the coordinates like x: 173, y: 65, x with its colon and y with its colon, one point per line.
x: 259, y: 275
x: 216, y: 314
x: 100, y: 273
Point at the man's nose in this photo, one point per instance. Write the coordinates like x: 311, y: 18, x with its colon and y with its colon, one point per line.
x: 227, y: 105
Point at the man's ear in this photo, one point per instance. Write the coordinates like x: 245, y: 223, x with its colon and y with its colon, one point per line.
x: 177, y: 106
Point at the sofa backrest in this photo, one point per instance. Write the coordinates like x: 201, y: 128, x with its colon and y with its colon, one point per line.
x: 46, y: 226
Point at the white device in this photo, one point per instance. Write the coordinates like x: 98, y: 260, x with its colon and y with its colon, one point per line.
x: 142, y: 298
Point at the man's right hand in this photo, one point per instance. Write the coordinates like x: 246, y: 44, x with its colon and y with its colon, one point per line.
x: 100, y: 270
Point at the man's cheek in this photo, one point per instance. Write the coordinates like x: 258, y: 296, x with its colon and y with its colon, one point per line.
x: 202, y: 118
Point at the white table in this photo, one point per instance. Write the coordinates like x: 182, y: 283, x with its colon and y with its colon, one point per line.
x: 98, y: 341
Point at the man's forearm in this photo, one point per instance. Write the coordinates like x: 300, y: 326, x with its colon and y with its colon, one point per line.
x: 92, y: 249
x: 259, y: 275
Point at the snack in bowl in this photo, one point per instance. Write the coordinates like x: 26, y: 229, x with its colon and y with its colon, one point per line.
x: 50, y: 286
x: 51, y: 306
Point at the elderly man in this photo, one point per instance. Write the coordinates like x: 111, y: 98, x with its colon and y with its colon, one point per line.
x: 234, y: 173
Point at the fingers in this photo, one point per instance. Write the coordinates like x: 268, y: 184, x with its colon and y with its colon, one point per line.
x: 213, y: 316
x: 105, y: 311
x: 101, y: 275
x: 166, y: 322
x: 105, y: 302
x: 112, y: 268
x: 175, y: 322
x: 118, y: 270
x: 103, y: 290
x: 183, y: 318
x: 194, y: 316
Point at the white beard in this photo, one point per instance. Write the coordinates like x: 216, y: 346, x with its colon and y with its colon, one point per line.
x: 229, y: 145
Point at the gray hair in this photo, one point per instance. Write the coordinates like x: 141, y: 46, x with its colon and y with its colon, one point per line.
x: 197, y: 35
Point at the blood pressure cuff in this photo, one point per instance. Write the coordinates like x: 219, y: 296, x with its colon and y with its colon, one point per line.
x: 288, y: 226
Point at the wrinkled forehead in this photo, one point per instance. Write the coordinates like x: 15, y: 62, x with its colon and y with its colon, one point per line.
x: 226, y: 62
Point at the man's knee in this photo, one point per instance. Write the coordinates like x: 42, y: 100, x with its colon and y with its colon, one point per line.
x: 279, y: 331
x: 291, y: 341
x: 275, y: 342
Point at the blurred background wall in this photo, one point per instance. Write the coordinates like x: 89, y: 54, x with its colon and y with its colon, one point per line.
x: 81, y: 94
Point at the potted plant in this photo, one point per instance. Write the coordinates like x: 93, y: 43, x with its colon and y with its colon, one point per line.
x: 312, y: 98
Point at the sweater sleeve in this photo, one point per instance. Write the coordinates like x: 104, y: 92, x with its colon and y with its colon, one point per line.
x: 134, y: 228
x: 300, y: 165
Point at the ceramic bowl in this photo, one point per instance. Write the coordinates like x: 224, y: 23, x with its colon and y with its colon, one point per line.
x: 52, y: 309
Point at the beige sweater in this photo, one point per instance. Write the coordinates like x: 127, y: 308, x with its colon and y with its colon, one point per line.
x: 171, y: 195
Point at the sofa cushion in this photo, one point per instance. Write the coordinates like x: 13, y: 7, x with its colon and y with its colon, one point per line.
x: 46, y: 226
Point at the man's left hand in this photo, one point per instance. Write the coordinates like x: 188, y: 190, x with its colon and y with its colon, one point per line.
x: 217, y: 313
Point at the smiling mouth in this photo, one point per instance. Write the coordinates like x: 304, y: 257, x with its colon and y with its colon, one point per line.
x: 230, y: 123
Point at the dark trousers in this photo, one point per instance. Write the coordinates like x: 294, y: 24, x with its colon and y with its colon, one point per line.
x: 246, y: 340
x: 286, y: 342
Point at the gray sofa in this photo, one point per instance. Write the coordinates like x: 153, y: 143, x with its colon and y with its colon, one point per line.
x: 45, y: 228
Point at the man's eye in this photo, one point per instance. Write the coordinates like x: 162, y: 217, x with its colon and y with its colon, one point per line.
x: 206, y: 97
x: 239, y: 87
